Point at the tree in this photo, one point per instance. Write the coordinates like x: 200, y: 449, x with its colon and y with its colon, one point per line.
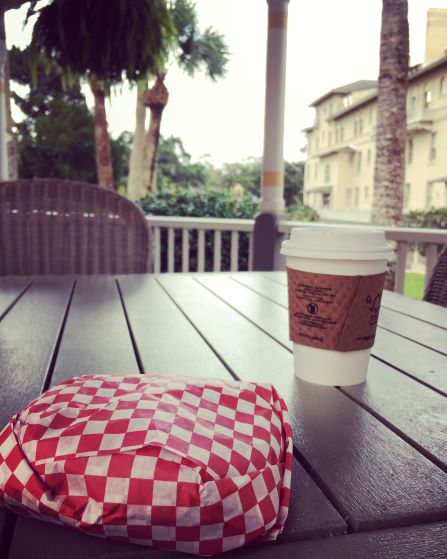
x: 56, y: 136
x: 103, y: 41
x: 175, y: 167
x: 389, y: 173
x: 193, y: 51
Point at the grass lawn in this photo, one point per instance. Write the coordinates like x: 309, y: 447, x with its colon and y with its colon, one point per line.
x: 414, y: 285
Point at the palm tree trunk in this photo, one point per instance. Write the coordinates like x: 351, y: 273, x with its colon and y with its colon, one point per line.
x: 135, y: 181
x: 104, y: 167
x: 156, y: 99
x: 389, y: 173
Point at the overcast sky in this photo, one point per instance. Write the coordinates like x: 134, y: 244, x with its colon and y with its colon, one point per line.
x: 330, y: 43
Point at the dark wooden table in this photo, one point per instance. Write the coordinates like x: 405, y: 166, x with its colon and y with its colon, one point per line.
x: 369, y: 478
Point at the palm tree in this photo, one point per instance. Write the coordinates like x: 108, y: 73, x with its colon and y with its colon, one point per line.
x: 104, y: 41
x: 193, y: 51
x: 389, y: 173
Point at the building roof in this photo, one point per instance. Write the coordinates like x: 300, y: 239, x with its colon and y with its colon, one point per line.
x: 354, y: 106
x: 346, y: 89
x: 413, y: 74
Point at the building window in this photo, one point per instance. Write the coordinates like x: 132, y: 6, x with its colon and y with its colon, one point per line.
x: 327, y: 173
x: 356, y: 197
x: 348, y: 197
x: 427, y: 96
x: 347, y: 101
x: 355, y: 128
x: 433, y: 138
x: 361, y: 126
x: 443, y: 86
x: 412, y: 106
x: 366, y: 193
x: 317, y: 143
x: 359, y: 161
x: 342, y: 131
x: 410, y: 151
x: 370, y: 114
x: 406, y: 195
x: 323, y: 137
x: 330, y: 138
x: 316, y: 171
x: 336, y: 135
x: 326, y: 199
x: 368, y: 157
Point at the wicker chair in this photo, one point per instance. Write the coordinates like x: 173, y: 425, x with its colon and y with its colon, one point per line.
x: 436, y: 290
x: 51, y: 226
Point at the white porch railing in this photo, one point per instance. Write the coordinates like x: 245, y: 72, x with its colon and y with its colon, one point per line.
x: 431, y: 238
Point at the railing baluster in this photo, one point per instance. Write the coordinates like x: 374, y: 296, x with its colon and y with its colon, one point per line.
x: 156, y: 250
x: 217, y: 250
x: 185, y: 250
x: 431, y: 256
x: 201, y: 251
x: 170, y: 249
x: 250, y: 252
x: 234, y: 250
x: 401, y: 260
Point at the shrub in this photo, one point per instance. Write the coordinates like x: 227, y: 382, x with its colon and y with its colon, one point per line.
x: 192, y: 202
x: 432, y: 219
x: 300, y: 212
x: 435, y: 218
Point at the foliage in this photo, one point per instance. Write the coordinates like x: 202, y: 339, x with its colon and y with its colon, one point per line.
x: 247, y: 174
x: 106, y: 37
x: 175, y: 167
x: 202, y: 203
x: 300, y: 212
x: 195, y: 51
x: 191, y: 202
x: 56, y: 137
x: 435, y: 218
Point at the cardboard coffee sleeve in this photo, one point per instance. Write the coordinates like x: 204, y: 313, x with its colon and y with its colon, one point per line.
x: 334, y: 312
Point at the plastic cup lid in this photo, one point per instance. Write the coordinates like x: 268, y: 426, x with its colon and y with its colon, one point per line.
x: 338, y: 243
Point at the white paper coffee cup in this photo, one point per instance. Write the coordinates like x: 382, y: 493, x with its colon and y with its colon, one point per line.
x: 335, y: 277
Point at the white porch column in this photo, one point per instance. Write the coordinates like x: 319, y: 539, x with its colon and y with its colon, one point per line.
x: 3, y: 124
x: 272, y: 191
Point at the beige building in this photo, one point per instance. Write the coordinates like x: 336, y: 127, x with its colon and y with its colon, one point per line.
x: 338, y: 180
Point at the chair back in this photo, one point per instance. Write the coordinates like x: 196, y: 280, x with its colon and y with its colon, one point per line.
x: 436, y: 290
x: 52, y: 226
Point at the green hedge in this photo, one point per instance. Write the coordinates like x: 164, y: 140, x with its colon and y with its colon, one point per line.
x: 193, y: 202
x: 435, y: 218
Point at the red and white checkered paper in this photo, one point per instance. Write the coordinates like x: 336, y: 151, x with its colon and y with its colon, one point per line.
x: 194, y: 465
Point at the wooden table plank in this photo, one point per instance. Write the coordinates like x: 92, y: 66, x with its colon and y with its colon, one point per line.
x: 418, y: 412
x: 416, y: 330
x: 425, y: 364
x: 96, y: 338
x: 346, y: 449
x: 415, y: 542
x: 42, y: 540
x: 166, y: 342
x: 28, y: 335
x: 11, y: 287
x: 416, y: 360
x: 422, y: 310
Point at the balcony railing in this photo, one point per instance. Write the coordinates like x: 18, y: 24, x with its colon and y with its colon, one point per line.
x: 234, y: 229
